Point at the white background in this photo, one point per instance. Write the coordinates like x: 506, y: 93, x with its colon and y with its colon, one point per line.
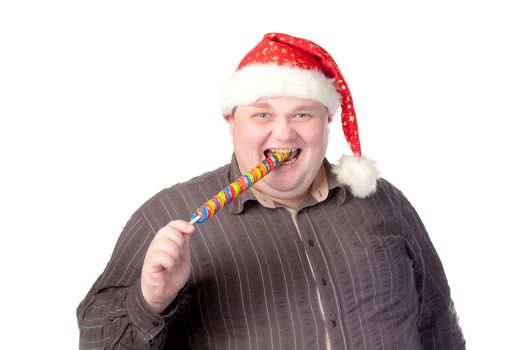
x: 104, y: 103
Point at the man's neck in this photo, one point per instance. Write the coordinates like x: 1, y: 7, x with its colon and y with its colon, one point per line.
x: 292, y: 203
x: 318, y: 189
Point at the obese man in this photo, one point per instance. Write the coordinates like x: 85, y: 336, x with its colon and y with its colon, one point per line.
x: 313, y: 256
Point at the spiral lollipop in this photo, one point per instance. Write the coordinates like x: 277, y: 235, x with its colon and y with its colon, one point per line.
x: 236, y: 188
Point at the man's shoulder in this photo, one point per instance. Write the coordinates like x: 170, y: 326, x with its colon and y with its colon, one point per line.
x: 210, y: 178
x: 385, y: 188
x: 221, y: 173
x: 389, y: 197
x: 385, y: 195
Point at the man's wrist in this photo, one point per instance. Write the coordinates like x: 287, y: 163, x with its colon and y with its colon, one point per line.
x: 142, y: 316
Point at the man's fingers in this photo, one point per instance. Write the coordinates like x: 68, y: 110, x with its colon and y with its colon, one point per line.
x: 170, y: 245
x: 182, y: 226
x: 173, y: 246
x: 162, y: 260
x: 168, y: 232
x: 167, y: 264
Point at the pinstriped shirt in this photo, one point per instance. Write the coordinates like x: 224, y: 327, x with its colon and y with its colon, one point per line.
x: 338, y: 272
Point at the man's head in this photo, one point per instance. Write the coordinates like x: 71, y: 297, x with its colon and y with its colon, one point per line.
x: 278, y: 123
x: 283, y: 75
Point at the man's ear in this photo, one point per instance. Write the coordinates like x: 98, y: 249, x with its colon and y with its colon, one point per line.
x: 330, y: 118
x: 229, y: 119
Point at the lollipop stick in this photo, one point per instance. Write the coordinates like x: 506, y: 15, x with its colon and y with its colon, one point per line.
x: 236, y: 188
x: 195, y: 219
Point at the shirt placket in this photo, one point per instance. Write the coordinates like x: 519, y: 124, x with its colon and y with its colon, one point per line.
x: 321, y: 280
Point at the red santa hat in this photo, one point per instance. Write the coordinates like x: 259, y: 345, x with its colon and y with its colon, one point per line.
x: 283, y: 65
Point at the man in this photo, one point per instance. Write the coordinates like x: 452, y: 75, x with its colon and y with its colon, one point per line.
x: 312, y: 257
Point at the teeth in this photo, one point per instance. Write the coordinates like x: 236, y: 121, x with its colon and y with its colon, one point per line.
x: 288, y: 162
x: 292, y: 151
x: 283, y: 150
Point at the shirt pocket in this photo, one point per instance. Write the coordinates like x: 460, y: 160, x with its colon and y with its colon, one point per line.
x: 387, y: 290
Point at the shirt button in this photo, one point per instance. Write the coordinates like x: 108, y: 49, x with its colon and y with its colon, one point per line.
x: 332, y: 322
x: 155, y: 323
x: 323, y: 281
x: 311, y: 243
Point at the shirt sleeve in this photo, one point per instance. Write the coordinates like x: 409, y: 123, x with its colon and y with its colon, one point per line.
x: 114, y: 313
x: 437, y: 321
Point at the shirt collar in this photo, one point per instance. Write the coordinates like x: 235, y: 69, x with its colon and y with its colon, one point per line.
x: 324, y: 184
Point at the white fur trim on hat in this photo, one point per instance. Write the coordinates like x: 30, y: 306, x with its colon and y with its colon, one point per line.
x: 256, y: 81
x: 359, y: 173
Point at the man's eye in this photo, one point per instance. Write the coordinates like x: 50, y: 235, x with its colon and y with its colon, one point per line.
x: 302, y: 116
x: 263, y: 115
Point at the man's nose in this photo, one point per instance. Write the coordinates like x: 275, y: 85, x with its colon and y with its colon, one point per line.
x: 283, y: 129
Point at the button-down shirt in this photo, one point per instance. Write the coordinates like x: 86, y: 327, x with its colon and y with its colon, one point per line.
x: 337, y: 272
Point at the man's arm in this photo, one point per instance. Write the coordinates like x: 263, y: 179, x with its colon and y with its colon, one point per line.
x: 437, y: 322
x: 115, y: 311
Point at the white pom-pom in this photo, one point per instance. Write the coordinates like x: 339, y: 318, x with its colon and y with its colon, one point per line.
x: 359, y: 173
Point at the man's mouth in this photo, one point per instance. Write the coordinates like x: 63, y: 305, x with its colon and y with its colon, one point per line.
x: 294, y: 154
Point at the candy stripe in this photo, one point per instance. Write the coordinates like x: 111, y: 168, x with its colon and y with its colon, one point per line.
x: 222, y: 198
x: 257, y: 173
x: 228, y: 195
x: 252, y: 178
x: 248, y: 180
x: 236, y: 188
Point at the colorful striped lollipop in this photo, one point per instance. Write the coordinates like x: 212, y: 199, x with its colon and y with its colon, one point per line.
x: 233, y: 190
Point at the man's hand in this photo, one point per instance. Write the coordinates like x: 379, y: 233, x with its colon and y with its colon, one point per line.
x: 167, y: 265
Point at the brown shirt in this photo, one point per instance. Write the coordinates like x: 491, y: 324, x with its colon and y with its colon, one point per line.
x: 338, y: 272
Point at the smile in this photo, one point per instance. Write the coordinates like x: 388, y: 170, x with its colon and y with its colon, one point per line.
x: 294, y: 154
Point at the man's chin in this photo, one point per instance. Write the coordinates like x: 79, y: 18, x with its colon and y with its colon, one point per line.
x: 282, y: 187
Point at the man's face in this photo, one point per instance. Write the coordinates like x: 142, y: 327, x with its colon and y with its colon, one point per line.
x: 282, y: 123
